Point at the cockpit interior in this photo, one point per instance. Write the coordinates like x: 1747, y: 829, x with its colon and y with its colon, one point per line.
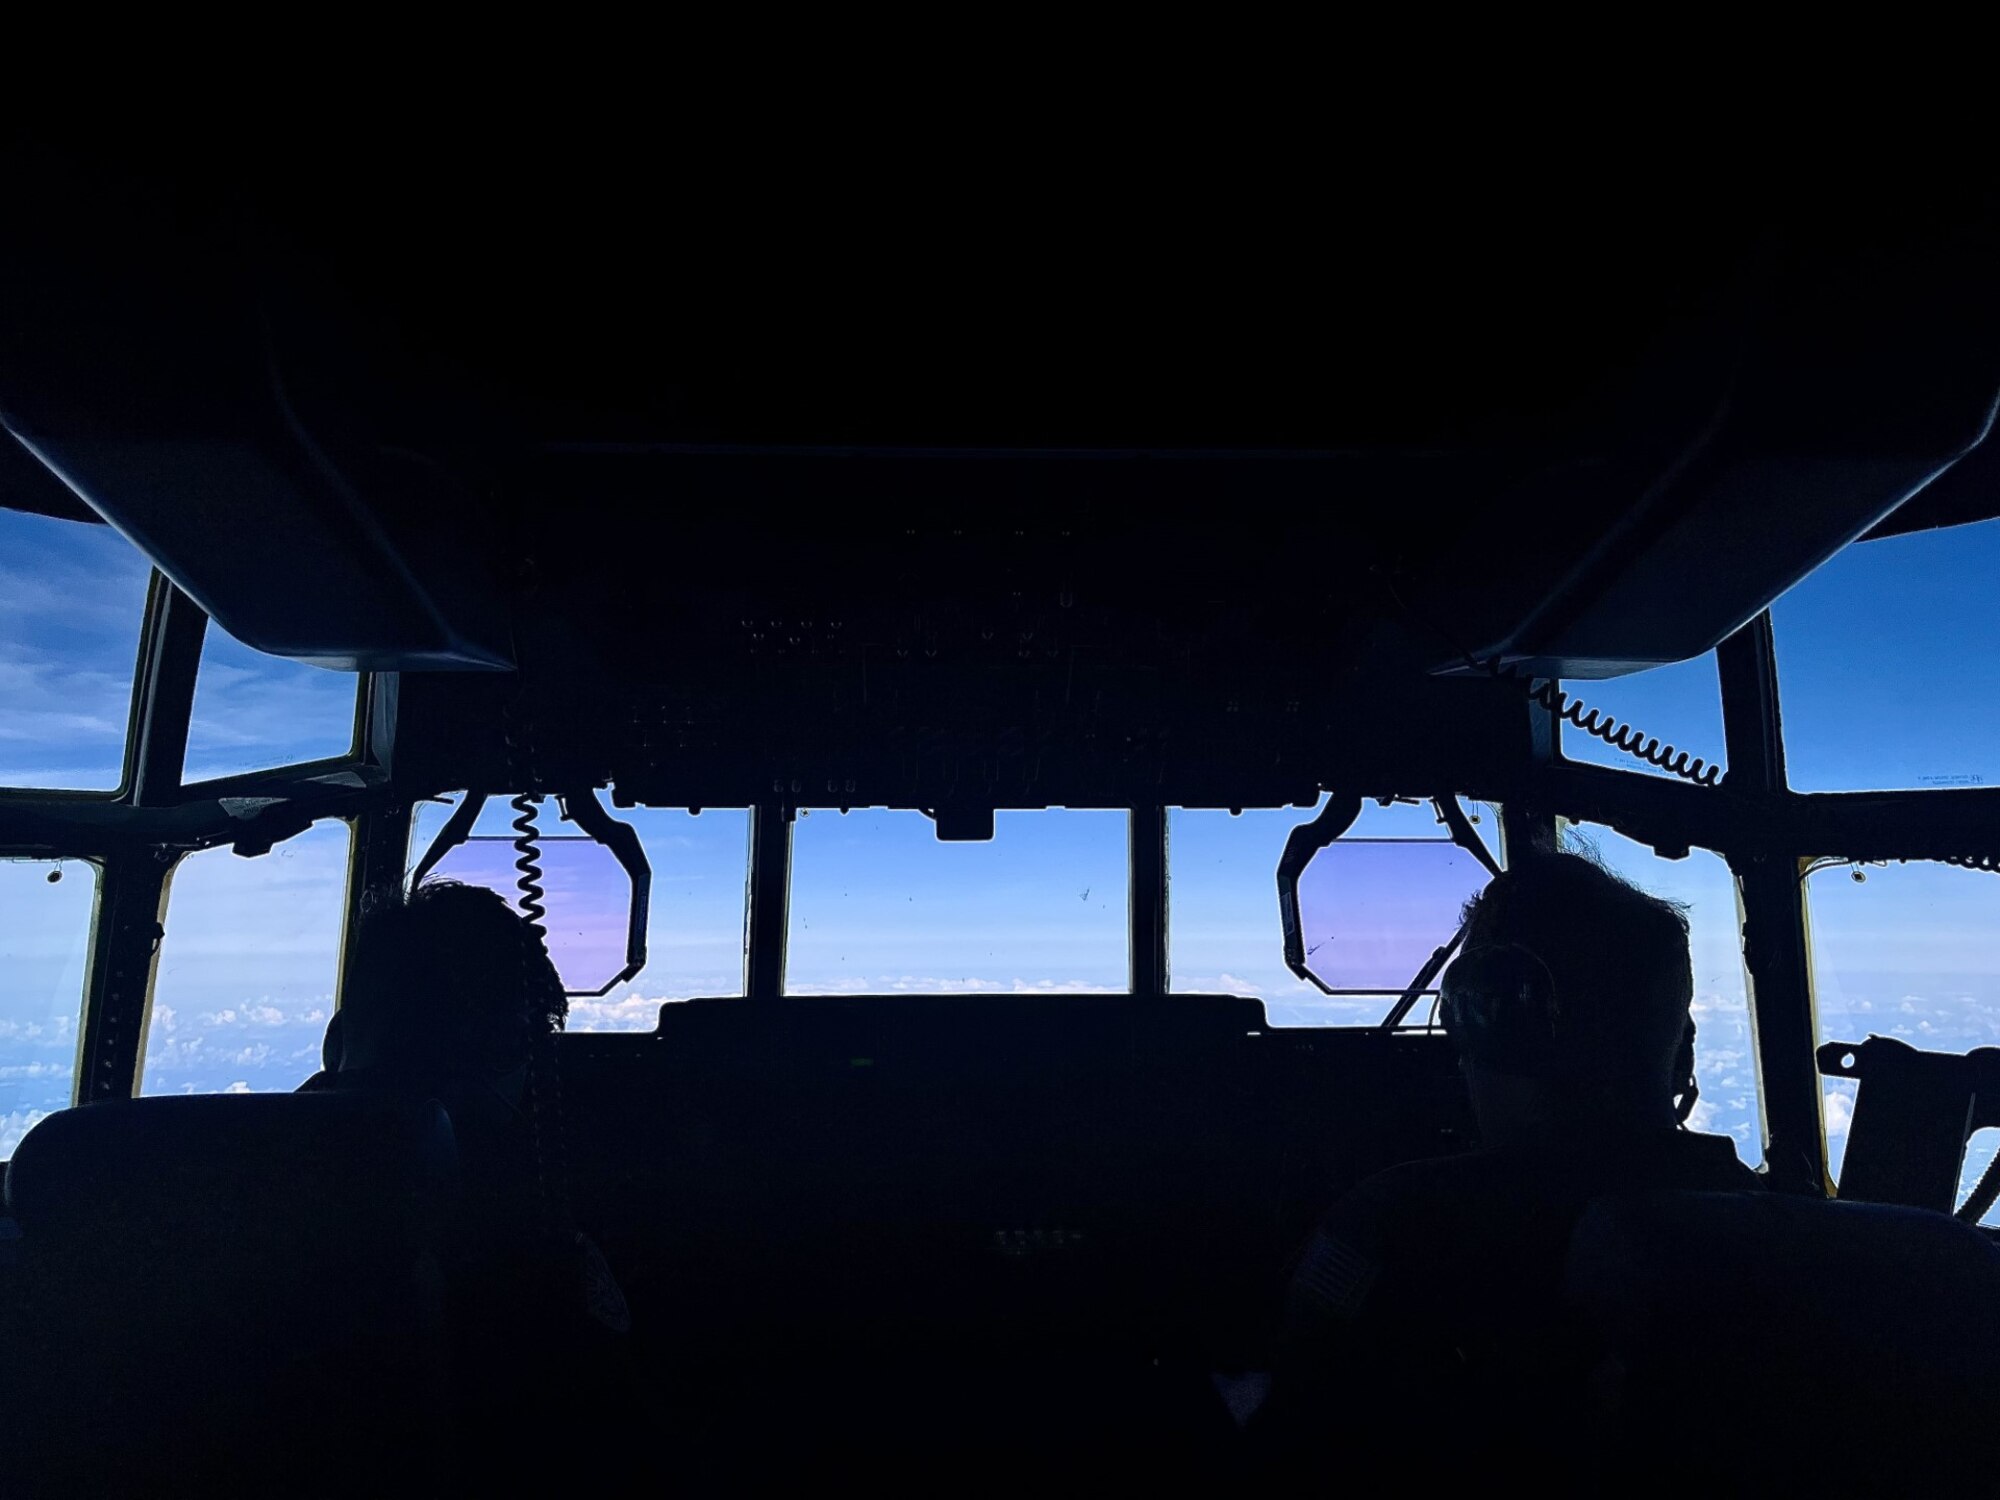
x: 995, y: 710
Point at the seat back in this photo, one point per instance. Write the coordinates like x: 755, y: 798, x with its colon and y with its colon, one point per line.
x: 1762, y: 1338
x: 231, y: 1294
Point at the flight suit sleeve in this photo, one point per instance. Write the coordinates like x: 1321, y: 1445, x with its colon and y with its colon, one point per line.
x: 1328, y: 1367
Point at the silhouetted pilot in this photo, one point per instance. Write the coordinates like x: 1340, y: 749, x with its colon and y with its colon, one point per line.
x: 450, y: 996
x: 1422, y: 1325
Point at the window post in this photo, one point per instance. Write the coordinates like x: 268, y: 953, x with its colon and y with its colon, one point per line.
x: 124, y: 951
x: 163, y: 694
x: 378, y: 858
x: 1771, y: 897
x: 768, y: 919
x: 1148, y: 900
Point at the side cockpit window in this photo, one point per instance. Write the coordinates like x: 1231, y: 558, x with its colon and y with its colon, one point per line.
x: 46, y: 907
x: 1725, y: 1053
x: 1672, y: 714
x: 247, y: 968
x: 72, y: 607
x: 1904, y: 951
x: 1888, y: 656
x: 72, y: 610
x: 254, y: 712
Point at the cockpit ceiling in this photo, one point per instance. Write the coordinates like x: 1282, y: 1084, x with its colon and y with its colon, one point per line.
x: 402, y: 417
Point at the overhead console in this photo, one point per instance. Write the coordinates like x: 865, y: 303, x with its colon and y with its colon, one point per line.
x: 741, y: 499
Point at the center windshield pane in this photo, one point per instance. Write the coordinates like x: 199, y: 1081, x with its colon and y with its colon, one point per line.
x: 879, y: 905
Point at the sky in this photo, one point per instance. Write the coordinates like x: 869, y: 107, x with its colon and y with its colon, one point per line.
x: 1889, y: 676
x: 72, y: 600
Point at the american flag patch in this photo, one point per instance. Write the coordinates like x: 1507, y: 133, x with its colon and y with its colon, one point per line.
x: 1336, y: 1277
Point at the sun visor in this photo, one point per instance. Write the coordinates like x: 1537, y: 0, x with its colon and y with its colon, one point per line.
x: 1857, y: 386
x: 155, y: 371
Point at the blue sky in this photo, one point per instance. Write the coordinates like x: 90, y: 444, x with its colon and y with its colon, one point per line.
x: 1888, y: 672
x: 72, y: 602
x: 72, y: 599
x: 252, y: 712
x: 879, y: 905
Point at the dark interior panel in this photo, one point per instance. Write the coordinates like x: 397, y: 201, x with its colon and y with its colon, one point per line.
x: 979, y: 1177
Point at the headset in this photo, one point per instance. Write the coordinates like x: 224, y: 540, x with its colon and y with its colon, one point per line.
x: 1500, y: 1005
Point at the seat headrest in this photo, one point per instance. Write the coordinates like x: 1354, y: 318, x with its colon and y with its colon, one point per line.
x: 98, y: 1169
x: 1645, y: 1264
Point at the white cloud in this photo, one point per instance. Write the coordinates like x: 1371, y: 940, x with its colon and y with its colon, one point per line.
x: 917, y: 984
x: 99, y: 586
x: 13, y: 1071
x: 1839, y: 1111
x: 37, y: 1033
x: 241, y: 1086
x: 17, y: 1124
x: 935, y: 984
x: 1229, y: 984
x: 1279, y: 987
x: 832, y: 987
x: 632, y: 1013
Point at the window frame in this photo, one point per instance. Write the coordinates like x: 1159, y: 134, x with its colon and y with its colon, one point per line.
x: 137, y: 834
